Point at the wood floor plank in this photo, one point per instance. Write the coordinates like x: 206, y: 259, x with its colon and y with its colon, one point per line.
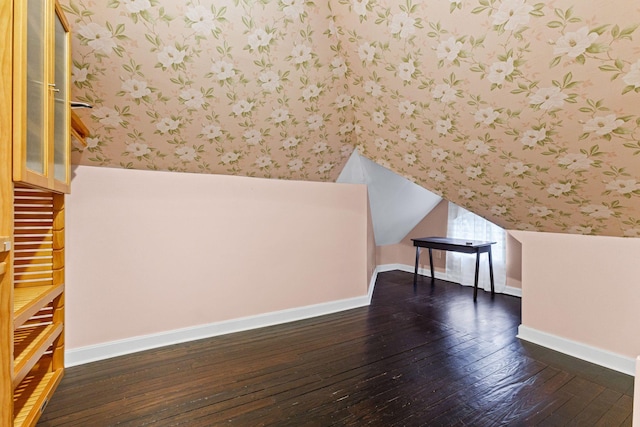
x: 424, y: 356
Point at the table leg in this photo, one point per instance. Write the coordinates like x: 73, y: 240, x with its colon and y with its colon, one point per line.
x: 475, y: 284
x: 493, y: 291
x: 415, y: 272
x: 431, y: 265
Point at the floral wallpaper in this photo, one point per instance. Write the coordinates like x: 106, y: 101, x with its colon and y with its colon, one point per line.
x: 254, y: 88
x: 527, y: 113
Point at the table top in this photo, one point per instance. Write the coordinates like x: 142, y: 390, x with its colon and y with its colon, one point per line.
x: 448, y: 241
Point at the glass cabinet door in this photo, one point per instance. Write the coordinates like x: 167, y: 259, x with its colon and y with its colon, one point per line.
x: 42, y: 115
x: 61, y: 133
x: 36, y: 87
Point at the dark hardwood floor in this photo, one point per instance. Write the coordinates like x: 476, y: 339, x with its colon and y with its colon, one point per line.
x: 426, y: 358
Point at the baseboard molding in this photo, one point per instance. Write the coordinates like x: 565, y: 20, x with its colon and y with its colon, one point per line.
x: 515, y: 292
x: 93, y: 353
x: 111, y: 349
x: 598, y: 356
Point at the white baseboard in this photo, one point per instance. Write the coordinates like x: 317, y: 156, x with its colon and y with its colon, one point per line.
x: 515, y: 292
x: 598, y: 356
x: 110, y: 349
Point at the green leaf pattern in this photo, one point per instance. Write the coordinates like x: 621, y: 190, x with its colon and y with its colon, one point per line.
x: 526, y: 113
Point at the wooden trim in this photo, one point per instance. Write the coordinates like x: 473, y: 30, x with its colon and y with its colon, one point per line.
x: 59, y: 185
x: 78, y: 125
x: 6, y: 212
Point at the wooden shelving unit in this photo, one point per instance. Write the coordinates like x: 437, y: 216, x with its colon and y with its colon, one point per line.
x: 38, y: 300
x: 30, y: 398
x: 29, y: 301
x: 32, y: 218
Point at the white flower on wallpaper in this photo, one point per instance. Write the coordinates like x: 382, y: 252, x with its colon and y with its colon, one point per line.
x: 574, y: 44
x: 138, y: 149
x: 402, y: 25
x: 210, y: 132
x: 597, y: 211
x: 360, y: 7
x: 171, y: 57
x: 548, y: 98
x: 540, y: 211
x: 575, y: 161
x: 252, y: 137
x: 444, y: 93
x: 512, y: 14
x: 372, y: 88
x: 505, y: 191
x: 167, y: 125
x: 440, y: 154
x: 319, y: 147
x: 486, y: 116
x: 449, y: 49
x: 558, y: 189
x: 624, y: 186
x: 107, y: 116
x: 293, y: 8
x: 242, y: 107
x: 229, y: 157
x: 437, y: 176
x: 311, y: 92
x: 259, y: 39
x: 532, y: 137
x: 342, y: 101
x: 443, y: 126
x: 136, y: 88
x: 79, y: 75
x: 516, y: 168
x: 279, y: 115
x: 477, y: 147
x: 192, y: 98
x: 603, y: 125
x: 366, y: 52
x: 406, y: 107
x: 136, y: 6
x: 526, y: 112
x: 201, y: 19
x: 186, y: 154
x: 270, y: 81
x: 500, y: 70
x: 406, y: 70
x: 223, y: 70
x: 632, y: 78
x: 97, y: 37
x: 466, y: 193
x: 295, y: 165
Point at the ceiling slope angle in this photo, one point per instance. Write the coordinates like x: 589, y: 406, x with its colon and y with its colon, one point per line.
x: 397, y: 204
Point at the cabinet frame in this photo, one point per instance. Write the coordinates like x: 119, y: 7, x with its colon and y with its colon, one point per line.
x: 21, y: 172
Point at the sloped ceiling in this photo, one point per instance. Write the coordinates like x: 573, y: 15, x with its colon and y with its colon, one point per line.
x: 525, y: 113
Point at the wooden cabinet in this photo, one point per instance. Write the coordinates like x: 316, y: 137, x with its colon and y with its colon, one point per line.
x: 41, y: 114
x: 34, y: 175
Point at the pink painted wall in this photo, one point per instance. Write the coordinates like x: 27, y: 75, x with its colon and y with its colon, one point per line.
x: 582, y: 288
x: 149, y: 252
x: 434, y: 224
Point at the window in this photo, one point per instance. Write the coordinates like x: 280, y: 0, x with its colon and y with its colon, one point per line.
x: 463, y: 224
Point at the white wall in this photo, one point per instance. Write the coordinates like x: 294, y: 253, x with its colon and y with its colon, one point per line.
x: 152, y: 252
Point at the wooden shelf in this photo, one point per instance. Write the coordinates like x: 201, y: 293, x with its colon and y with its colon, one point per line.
x: 28, y: 300
x: 29, y: 345
x: 32, y: 395
x: 78, y: 129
